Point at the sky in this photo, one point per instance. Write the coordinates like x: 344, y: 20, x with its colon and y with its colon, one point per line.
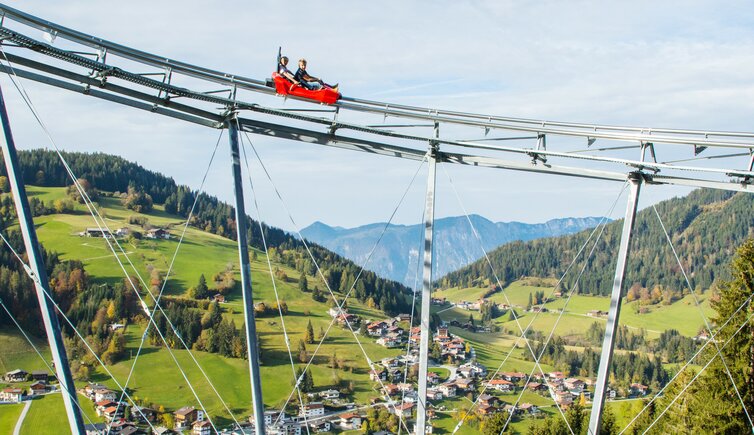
x: 661, y: 64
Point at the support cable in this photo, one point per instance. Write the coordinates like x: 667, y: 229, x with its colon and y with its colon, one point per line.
x: 706, y: 322
x: 44, y: 361
x: 170, y: 269
x: 693, y: 357
x: 499, y: 283
x: 93, y: 210
x: 411, y: 322
x: 70, y: 323
x: 321, y: 274
x: 560, y: 280
x: 274, y: 284
x: 552, y: 331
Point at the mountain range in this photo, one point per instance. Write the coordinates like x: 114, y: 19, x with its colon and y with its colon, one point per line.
x: 456, y: 245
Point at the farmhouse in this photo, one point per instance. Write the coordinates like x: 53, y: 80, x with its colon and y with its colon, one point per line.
x: 500, y: 385
x: 12, y: 395
x: 313, y: 409
x: 17, y: 375
x: 350, y: 421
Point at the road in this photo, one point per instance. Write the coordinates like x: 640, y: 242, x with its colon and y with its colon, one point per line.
x: 21, y: 418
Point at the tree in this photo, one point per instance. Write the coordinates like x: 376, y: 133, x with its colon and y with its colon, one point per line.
x: 111, y: 310
x: 471, y: 319
x: 303, y: 285
x: 4, y: 184
x: 711, y: 404
x: 494, y: 425
x: 529, y: 303
x: 309, y: 338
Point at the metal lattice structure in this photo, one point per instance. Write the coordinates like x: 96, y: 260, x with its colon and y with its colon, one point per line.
x: 107, y: 71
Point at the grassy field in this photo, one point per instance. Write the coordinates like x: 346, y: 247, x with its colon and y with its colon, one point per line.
x: 158, y: 380
x: 156, y: 377
x: 682, y: 315
x: 9, y: 416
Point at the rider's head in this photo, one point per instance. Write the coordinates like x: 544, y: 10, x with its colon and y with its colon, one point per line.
x: 284, y: 60
x: 302, y: 63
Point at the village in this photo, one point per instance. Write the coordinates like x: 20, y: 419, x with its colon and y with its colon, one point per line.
x: 328, y: 410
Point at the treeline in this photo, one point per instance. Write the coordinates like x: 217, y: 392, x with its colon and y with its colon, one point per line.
x: 704, y: 227
x: 624, y: 370
x: 671, y: 346
x: 115, y: 174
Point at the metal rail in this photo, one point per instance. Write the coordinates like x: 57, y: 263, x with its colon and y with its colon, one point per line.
x: 590, y: 131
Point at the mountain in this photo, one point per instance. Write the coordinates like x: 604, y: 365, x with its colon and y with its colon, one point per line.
x: 706, y: 227
x: 455, y: 243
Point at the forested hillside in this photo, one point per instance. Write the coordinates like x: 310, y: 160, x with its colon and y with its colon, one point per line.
x: 115, y: 174
x: 706, y: 226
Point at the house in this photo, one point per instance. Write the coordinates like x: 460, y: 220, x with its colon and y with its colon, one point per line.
x: 474, y: 369
x: 104, y: 394
x: 486, y: 409
x: 391, y: 389
x: 40, y: 375
x: 186, y: 416
x: 528, y: 408
x: 434, y: 394
x: 403, y: 317
x: 162, y: 430
x: 121, y: 426
x: 116, y: 326
x: 377, y: 329
x: 313, y: 409
x: 201, y: 428
x: 91, y: 388
x: 158, y: 233
x: 112, y: 412
x: 220, y: 299
x: 122, y: 232
x: 14, y: 395
x: 330, y: 394
x: 513, y: 376
x: 536, y: 386
x: 404, y: 410
x: 464, y: 384
x: 405, y: 387
x: 102, y: 405
x: 270, y: 417
x: 95, y: 428
x: 574, y: 384
x: 433, y: 378
x: 320, y: 426
x: 350, y: 421
x: 284, y: 428
x: 442, y: 333
x: 486, y: 399
x: 611, y: 393
x: 563, y: 398
x: 98, y: 232
x: 17, y: 375
x: 556, y: 375
x: 639, y: 389
x: 447, y: 390
x: 389, y: 341
x: 37, y: 388
x: 140, y: 413
x: 378, y: 375
x: 501, y: 385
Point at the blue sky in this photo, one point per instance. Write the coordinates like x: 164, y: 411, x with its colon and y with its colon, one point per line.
x: 664, y: 64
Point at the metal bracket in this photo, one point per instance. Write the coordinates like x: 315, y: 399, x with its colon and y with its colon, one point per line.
x: 698, y: 149
x: 541, y: 146
x: 334, y: 126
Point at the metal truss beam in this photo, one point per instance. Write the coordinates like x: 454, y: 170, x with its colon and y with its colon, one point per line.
x: 38, y: 270
x: 616, y: 297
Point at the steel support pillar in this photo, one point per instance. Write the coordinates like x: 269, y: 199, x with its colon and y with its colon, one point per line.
x: 36, y: 264
x: 248, y: 300
x: 426, y: 334
x: 613, y: 315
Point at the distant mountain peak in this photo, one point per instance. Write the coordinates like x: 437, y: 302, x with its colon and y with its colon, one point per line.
x: 456, y: 245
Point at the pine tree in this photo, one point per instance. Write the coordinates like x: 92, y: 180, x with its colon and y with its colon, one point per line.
x: 309, y: 338
x: 303, y: 285
x: 529, y: 304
